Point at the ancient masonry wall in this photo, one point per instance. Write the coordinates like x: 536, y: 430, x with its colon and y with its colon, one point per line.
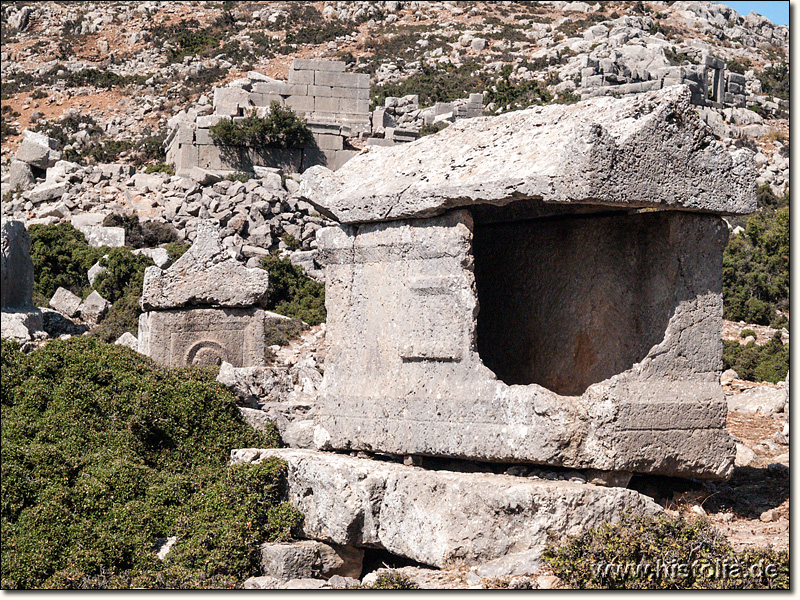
x: 709, y: 81
x: 334, y: 103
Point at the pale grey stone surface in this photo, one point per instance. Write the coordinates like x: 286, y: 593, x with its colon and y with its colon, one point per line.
x: 256, y: 385
x: 636, y: 387
x: 203, y: 336
x: 16, y: 273
x: 761, y: 400
x: 38, y: 150
x: 160, y: 256
x: 20, y: 176
x: 204, y: 276
x: 517, y: 563
x: 22, y: 325
x: 97, y: 235
x: 94, y: 308
x: 129, y: 340
x: 262, y: 582
x: 438, y: 517
x: 94, y: 271
x: 309, y: 559
x: 65, y: 302
x: 651, y: 149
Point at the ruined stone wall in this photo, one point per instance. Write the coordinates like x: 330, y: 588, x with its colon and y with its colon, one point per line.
x: 334, y: 103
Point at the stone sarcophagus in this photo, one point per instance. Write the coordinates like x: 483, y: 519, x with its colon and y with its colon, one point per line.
x: 205, y: 309
x: 541, y: 287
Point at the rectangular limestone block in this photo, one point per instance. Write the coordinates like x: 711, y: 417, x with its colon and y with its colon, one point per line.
x: 300, y: 103
x: 202, y: 136
x: 329, y: 142
x: 324, y: 104
x: 305, y: 77
x: 353, y: 105
x: 334, y: 79
x: 204, y: 336
x: 321, y: 90
x: 302, y: 64
x: 271, y: 87
x: 439, y: 517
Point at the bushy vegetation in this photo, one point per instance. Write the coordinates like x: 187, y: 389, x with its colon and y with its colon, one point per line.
x: 293, y: 293
x: 104, y: 454
x: 160, y: 168
x: 581, y: 560
x: 751, y: 362
x: 756, y: 269
x: 389, y: 581
x: 61, y: 258
x: 435, y: 83
x: 775, y: 81
x: 507, y: 95
x: 280, y: 128
x: 142, y: 235
x: 7, y: 115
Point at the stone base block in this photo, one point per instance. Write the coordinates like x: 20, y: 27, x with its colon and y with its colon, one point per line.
x: 438, y: 517
x: 310, y: 559
x: 204, y: 336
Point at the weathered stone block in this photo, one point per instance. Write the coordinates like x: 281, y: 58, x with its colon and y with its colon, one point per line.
x: 97, y: 235
x: 204, y: 276
x: 309, y: 559
x: 300, y: 103
x: 94, y: 308
x: 335, y: 79
x: 632, y: 386
x: 329, y: 142
x: 280, y: 88
x: 305, y: 77
x: 299, y: 64
x: 325, y: 104
x: 582, y: 152
x: 38, y: 150
x: 16, y: 272
x: 65, y: 302
x: 439, y: 517
x: 204, y: 336
x: 203, y: 136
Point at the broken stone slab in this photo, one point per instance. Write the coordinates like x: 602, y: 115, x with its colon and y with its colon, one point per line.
x: 438, y: 517
x: 16, y: 266
x: 517, y: 563
x: 94, y: 308
x: 20, y: 176
x: 589, y: 152
x: 129, y: 340
x: 203, y: 336
x: 254, y: 386
x: 22, y: 325
x: 94, y: 271
x: 204, y: 176
x: 65, y: 302
x: 762, y: 400
x: 38, y: 150
x: 306, y: 584
x: 204, y: 276
x: 160, y: 256
x: 309, y: 559
x: 44, y: 192
x: 98, y: 236
x: 262, y: 582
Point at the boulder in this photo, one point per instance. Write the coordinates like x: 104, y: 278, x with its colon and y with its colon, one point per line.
x: 38, y: 150
x: 44, y: 192
x: 160, y: 256
x: 203, y: 176
x: 438, y: 517
x: 20, y: 176
x: 129, y: 340
x: 765, y: 400
x: 22, y: 325
x: 98, y: 236
x: 585, y: 152
x: 94, y: 271
x: 94, y: 308
x: 65, y: 302
x: 204, y: 276
x: 309, y: 559
x: 263, y: 582
x: 256, y: 385
x: 517, y: 563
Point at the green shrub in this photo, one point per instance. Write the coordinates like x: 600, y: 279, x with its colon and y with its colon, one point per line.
x: 6, y: 127
x: 177, y: 249
x: 61, y: 258
x: 103, y: 452
x: 755, y: 273
x: 435, y: 83
x: 282, y: 332
x: 160, y: 168
x: 281, y: 128
x: 142, y: 235
x: 769, y: 362
x: 390, y: 581
x: 775, y: 81
x: 747, y: 332
x: 292, y: 292
x: 433, y: 128
x: 739, y: 65
x: 242, y: 177
x: 38, y: 95
x: 508, y: 96
x: 616, y: 556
